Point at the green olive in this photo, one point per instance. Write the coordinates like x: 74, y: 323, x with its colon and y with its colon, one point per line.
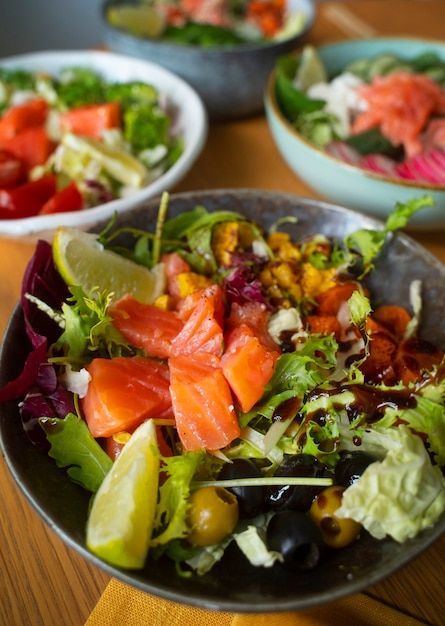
x: 213, y: 514
x: 337, y: 532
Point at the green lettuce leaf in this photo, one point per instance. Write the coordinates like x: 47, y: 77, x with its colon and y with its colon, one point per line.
x: 400, y: 495
x: 73, y: 447
x: 368, y: 243
x: 295, y: 374
x: 88, y: 329
x: 170, y: 520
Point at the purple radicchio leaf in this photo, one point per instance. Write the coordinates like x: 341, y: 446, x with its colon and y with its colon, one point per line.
x: 98, y: 193
x: 43, y: 281
x: 46, y: 398
x: 241, y: 283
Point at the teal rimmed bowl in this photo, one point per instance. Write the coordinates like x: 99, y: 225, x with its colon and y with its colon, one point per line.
x: 341, y: 182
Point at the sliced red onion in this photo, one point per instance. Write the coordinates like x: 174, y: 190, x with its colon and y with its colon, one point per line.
x: 344, y: 152
x: 428, y: 169
x: 379, y: 163
x: 405, y: 170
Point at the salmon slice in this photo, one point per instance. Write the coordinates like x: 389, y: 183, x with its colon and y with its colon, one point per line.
x: 202, y: 402
x: 146, y: 326
x: 401, y: 104
x: 123, y: 392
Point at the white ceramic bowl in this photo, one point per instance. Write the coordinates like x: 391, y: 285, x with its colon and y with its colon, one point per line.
x: 336, y: 180
x: 191, y: 124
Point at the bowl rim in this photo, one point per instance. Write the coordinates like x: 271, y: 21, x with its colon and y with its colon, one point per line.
x: 31, y: 226
x: 223, y: 603
x: 308, y: 6
x: 272, y: 103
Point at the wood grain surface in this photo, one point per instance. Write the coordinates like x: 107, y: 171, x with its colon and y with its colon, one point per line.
x: 47, y: 583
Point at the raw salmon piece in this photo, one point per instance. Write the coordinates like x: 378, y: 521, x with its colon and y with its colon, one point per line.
x: 174, y: 265
x: 202, y: 402
x: 247, y: 365
x: 146, y: 326
x: 400, y: 103
x: 202, y: 312
x: 123, y: 392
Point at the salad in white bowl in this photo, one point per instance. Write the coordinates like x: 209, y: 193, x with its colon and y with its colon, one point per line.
x: 84, y: 133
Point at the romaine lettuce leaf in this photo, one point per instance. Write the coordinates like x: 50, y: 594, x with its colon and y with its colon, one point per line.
x: 400, y: 495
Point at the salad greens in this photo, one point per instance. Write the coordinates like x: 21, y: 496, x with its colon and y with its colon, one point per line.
x: 208, y: 24
x: 355, y: 114
x: 136, y: 148
x: 73, y: 447
x: 315, y: 403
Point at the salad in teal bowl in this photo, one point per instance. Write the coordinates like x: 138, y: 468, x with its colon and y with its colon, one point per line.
x: 232, y: 399
x: 362, y: 122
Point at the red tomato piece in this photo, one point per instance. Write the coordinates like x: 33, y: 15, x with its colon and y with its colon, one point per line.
x: 330, y: 301
x: 202, y: 312
x: 44, y: 187
x: 146, y: 325
x: 123, y: 392
x: 91, y: 120
x: 32, y: 146
x: 67, y: 199
x: 415, y: 356
x: 12, y: 172
x: 26, y: 115
x: 27, y: 199
x: 202, y: 402
x: 247, y: 365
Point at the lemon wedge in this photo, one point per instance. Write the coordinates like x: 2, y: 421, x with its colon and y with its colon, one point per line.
x: 120, y: 523
x: 142, y: 20
x: 121, y: 165
x: 82, y: 260
x: 311, y: 69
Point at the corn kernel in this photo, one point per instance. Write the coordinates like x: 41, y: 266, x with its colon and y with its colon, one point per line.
x: 190, y: 282
x: 225, y: 238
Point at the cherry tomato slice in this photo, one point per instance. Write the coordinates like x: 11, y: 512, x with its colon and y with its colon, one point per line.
x: 26, y: 200
x: 12, y: 172
x: 68, y: 199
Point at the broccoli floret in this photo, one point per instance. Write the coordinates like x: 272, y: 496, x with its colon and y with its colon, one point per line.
x: 145, y: 127
x: 131, y: 93
x: 79, y: 86
x: 19, y: 80
x: 11, y: 81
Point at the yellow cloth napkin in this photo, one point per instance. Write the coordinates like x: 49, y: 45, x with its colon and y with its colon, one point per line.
x: 122, y: 605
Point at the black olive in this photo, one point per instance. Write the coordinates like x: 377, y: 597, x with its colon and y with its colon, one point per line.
x: 296, y: 497
x: 297, y: 538
x: 250, y: 499
x: 351, y: 466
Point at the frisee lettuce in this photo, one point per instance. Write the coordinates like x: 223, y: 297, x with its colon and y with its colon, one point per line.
x: 73, y: 447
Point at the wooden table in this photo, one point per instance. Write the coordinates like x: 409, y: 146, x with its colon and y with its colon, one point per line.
x: 46, y: 583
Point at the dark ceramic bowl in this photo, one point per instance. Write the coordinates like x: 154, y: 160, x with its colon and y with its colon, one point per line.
x: 230, y: 80
x: 234, y: 585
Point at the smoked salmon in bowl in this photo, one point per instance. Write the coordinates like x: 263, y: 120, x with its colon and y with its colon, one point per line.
x: 362, y: 122
x: 222, y: 387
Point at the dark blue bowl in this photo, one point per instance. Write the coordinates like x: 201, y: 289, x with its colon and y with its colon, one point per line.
x: 230, y: 80
x: 235, y: 585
